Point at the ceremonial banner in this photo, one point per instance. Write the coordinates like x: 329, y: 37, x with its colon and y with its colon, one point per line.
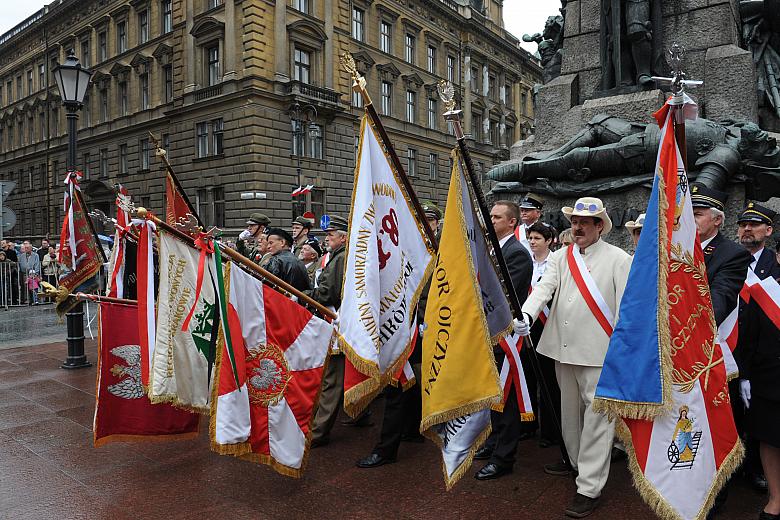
x: 270, y: 372
x: 466, y: 314
x: 122, y: 410
x: 177, y: 206
x: 665, y: 373
x: 115, y: 287
x: 80, y: 254
x: 182, y: 362
x: 388, y: 262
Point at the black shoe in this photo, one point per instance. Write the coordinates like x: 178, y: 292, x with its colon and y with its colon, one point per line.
x: 492, y: 471
x: 546, y: 443
x: 484, y: 453
x: 768, y: 516
x: 410, y: 437
x: 320, y: 441
x: 617, y: 455
x: 361, y: 421
x: 559, y: 469
x: 527, y: 435
x: 758, y: 482
x: 581, y: 506
x: 372, y: 461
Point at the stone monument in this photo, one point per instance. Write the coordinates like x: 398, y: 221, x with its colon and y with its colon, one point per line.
x: 594, y: 128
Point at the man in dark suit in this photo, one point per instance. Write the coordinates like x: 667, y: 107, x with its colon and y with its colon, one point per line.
x: 758, y: 338
x: 501, y: 446
x: 727, y: 263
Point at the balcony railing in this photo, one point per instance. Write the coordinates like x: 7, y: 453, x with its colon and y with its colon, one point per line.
x: 319, y: 93
x: 208, y: 92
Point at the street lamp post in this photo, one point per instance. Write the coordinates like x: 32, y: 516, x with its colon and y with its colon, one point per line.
x: 301, y: 116
x: 72, y: 81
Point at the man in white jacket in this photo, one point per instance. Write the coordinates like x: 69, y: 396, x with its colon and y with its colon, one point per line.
x: 586, y: 281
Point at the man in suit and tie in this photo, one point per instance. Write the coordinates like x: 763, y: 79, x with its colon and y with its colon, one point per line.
x: 500, y: 447
x: 586, y: 282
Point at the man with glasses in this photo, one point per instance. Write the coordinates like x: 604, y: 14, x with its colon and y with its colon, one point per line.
x: 586, y: 282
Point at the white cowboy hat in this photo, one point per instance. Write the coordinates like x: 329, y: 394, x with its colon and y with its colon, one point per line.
x: 589, y: 207
x: 631, y: 225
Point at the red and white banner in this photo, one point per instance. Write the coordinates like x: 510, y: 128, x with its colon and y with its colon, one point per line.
x: 766, y: 292
x: 590, y: 291
x: 280, y: 350
x: 512, y: 375
x: 116, y: 283
x: 147, y: 322
x: 122, y: 410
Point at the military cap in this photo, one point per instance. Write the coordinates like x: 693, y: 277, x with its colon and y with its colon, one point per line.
x: 303, y: 221
x: 337, y: 224
x: 431, y: 210
x: 531, y: 201
x: 280, y: 233
x: 314, y: 244
x: 704, y: 197
x: 757, y: 213
x: 259, y: 218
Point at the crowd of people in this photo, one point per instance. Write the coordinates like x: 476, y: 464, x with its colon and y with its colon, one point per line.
x: 570, y: 346
x: 22, y: 269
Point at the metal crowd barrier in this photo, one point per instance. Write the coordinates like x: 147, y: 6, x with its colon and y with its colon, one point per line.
x: 13, y: 286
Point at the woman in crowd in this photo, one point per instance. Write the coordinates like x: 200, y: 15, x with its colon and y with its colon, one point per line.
x: 51, y: 269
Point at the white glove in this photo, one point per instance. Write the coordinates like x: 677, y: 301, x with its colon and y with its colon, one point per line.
x: 521, y: 327
x: 744, y: 392
x: 421, y: 327
x: 244, y: 235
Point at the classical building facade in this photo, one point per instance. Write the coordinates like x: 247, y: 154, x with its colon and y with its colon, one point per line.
x: 249, y: 101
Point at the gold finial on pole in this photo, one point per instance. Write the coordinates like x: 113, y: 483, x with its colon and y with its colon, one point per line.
x: 358, y: 81
x: 447, y: 94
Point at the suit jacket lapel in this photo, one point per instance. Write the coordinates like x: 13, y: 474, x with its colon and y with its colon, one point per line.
x: 764, y: 264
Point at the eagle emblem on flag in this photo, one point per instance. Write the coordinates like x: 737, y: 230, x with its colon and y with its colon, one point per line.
x: 129, y: 386
x: 269, y: 375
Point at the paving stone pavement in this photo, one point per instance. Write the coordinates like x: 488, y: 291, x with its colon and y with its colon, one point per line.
x: 49, y: 469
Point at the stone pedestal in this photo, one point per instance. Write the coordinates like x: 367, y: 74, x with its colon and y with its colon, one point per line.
x: 638, y: 106
x: 730, y: 81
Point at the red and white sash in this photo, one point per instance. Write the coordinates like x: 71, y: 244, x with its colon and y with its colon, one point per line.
x: 545, y: 312
x: 147, y: 322
x: 766, y: 292
x: 512, y: 372
x: 728, y: 332
x: 589, y: 290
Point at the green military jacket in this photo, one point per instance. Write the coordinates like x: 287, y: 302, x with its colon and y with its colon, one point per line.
x: 331, y: 281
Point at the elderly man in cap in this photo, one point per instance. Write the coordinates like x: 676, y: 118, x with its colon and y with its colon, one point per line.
x: 530, y: 212
x: 432, y: 216
x: 586, y: 282
x: 758, y: 356
x: 310, y: 252
x: 283, y: 263
x: 247, y: 240
x: 301, y: 227
x: 635, y: 228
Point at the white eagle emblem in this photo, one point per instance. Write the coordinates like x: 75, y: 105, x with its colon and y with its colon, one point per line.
x: 129, y: 386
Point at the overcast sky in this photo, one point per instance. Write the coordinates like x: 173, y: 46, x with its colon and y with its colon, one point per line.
x: 520, y: 16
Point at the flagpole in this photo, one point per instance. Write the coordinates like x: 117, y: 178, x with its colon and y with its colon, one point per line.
x: 453, y: 116
x: 359, y: 85
x: 254, y: 269
x: 163, y: 155
x: 80, y: 198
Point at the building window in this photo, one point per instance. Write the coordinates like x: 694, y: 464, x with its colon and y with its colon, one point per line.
x: 85, y: 165
x: 123, y: 159
x: 314, y: 135
x: 167, y: 16
x: 409, y: 48
x: 21, y: 133
x: 523, y: 100
x: 104, y: 105
x: 143, y: 159
x: 492, y: 87
x: 475, y: 79
x: 143, y: 26
x: 121, y: 37
x: 19, y: 87
x: 31, y: 129
x: 202, y: 139
x: 87, y: 112
x: 451, y: 68
x: 144, y: 80
x: 411, y: 162
x: 210, y: 205
x: 166, y: 144
x: 385, y: 37
x: 42, y: 77
x: 357, y: 99
x: 104, y: 163
x: 30, y: 88
x: 387, y: 95
x: 297, y: 141
x: 10, y: 137
x: 301, y: 5
x: 102, y: 46
x: 123, y: 98
x: 302, y: 66
x: 433, y: 172
x: 30, y: 175
x: 476, y: 127
x: 217, y: 133
x: 432, y: 115
x: 55, y: 122
x: 85, y: 61
x: 8, y: 87
x: 432, y: 59
x: 168, y: 79
x: 42, y: 125
x: 358, y: 31
x: 214, y: 3
x: 411, y: 100
x: 212, y: 64
x: 307, y: 140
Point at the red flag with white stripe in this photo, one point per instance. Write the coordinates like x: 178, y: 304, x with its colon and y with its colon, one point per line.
x: 280, y: 350
x: 512, y: 375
